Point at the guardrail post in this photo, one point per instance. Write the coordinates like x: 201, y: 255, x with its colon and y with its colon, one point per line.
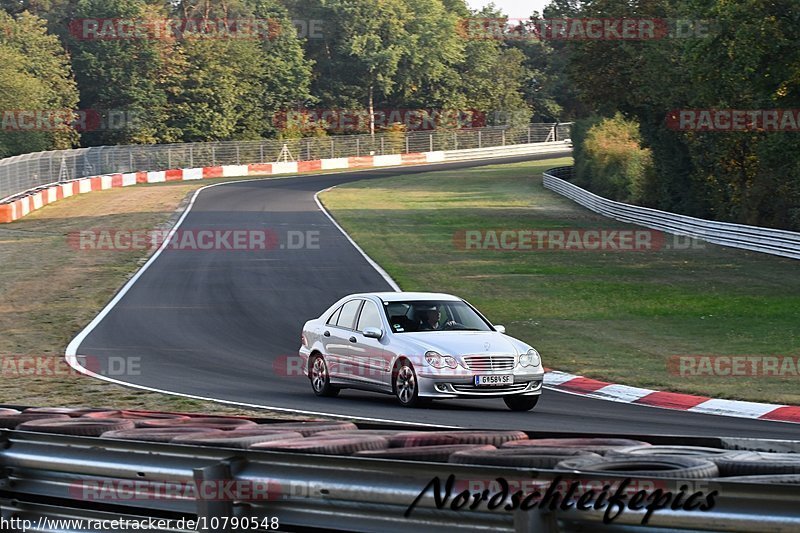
x: 261, y: 152
x: 406, y: 143
x: 238, y: 159
x: 382, y: 146
x: 169, y: 157
x: 430, y: 141
x: 358, y: 147
x: 216, y: 506
x: 191, y: 156
x: 529, y: 134
x: 504, y: 137
x: 455, y: 141
x: 213, y: 156
x: 479, y: 139
x: 130, y: 158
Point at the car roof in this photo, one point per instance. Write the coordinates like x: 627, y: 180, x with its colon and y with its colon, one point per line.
x: 410, y: 296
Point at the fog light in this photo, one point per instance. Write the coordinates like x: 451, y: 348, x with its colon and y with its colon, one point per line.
x: 441, y: 387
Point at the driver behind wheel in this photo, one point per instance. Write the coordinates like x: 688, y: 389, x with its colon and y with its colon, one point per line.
x: 429, y: 319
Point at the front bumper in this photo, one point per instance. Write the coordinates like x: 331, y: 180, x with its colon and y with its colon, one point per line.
x: 443, y: 386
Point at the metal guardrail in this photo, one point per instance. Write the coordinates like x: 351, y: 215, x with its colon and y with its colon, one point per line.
x: 770, y: 241
x: 28, y: 171
x: 41, y: 473
x: 508, y: 150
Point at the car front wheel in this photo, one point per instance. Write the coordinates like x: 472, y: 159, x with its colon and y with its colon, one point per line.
x: 406, y: 386
x: 521, y: 403
x: 320, y: 378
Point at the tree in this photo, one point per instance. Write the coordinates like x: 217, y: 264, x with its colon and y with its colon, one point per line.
x: 35, y: 76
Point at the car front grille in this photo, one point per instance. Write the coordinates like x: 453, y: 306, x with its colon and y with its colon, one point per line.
x: 484, y: 363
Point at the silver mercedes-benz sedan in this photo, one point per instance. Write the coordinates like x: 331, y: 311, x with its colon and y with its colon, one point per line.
x: 418, y: 346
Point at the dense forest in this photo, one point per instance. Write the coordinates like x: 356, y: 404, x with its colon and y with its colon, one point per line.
x: 150, y: 71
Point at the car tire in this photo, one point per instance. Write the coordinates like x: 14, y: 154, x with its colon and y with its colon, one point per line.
x: 406, y: 386
x: 320, y: 378
x: 669, y: 466
x: 521, y: 403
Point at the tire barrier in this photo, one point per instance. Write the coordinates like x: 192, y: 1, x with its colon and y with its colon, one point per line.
x: 76, y: 426
x: 432, y: 438
x: 440, y: 453
x: 228, y: 424
x: 11, y: 421
x: 523, y: 456
x: 330, y: 445
x: 240, y: 438
x: 598, y: 446
x: 157, y: 434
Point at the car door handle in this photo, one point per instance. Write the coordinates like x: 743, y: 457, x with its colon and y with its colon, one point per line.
x: 327, y: 333
x: 352, y: 339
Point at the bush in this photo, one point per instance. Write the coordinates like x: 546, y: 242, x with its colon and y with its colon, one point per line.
x: 610, y: 159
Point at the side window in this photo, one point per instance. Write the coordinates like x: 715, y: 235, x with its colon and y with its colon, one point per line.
x: 348, y: 315
x: 334, y: 317
x: 370, y: 317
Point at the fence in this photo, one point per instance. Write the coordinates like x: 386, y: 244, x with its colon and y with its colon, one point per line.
x: 765, y: 240
x: 24, y: 172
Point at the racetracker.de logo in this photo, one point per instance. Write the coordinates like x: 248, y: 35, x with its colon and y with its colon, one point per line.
x: 731, y: 120
x: 120, y: 29
x: 599, y: 240
x: 340, y: 119
x: 26, y: 120
x: 55, y: 366
x: 122, y: 490
x: 247, y: 240
x: 581, y: 29
x: 726, y: 366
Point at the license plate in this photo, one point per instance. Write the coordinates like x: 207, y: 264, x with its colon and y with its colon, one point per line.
x: 499, y: 380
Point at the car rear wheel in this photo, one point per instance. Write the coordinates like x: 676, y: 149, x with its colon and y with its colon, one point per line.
x: 406, y: 386
x: 320, y: 378
x: 521, y: 403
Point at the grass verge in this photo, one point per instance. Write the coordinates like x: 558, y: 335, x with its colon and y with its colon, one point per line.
x: 613, y: 315
x: 49, y: 291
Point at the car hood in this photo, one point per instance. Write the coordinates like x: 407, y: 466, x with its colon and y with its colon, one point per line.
x: 463, y: 342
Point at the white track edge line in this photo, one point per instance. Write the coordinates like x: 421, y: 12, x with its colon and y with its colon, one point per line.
x: 385, y: 275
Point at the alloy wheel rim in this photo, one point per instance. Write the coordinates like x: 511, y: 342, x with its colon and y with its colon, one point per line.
x: 318, y: 374
x: 405, y: 384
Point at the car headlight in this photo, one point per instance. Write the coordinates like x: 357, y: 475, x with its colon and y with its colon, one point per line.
x: 530, y: 358
x: 437, y: 360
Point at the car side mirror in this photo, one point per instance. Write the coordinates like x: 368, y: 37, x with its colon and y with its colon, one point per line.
x: 373, y: 333
x: 499, y: 328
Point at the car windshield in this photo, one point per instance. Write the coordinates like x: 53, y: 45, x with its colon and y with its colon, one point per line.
x: 430, y: 315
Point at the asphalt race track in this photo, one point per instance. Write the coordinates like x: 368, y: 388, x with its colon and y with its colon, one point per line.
x: 224, y: 324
